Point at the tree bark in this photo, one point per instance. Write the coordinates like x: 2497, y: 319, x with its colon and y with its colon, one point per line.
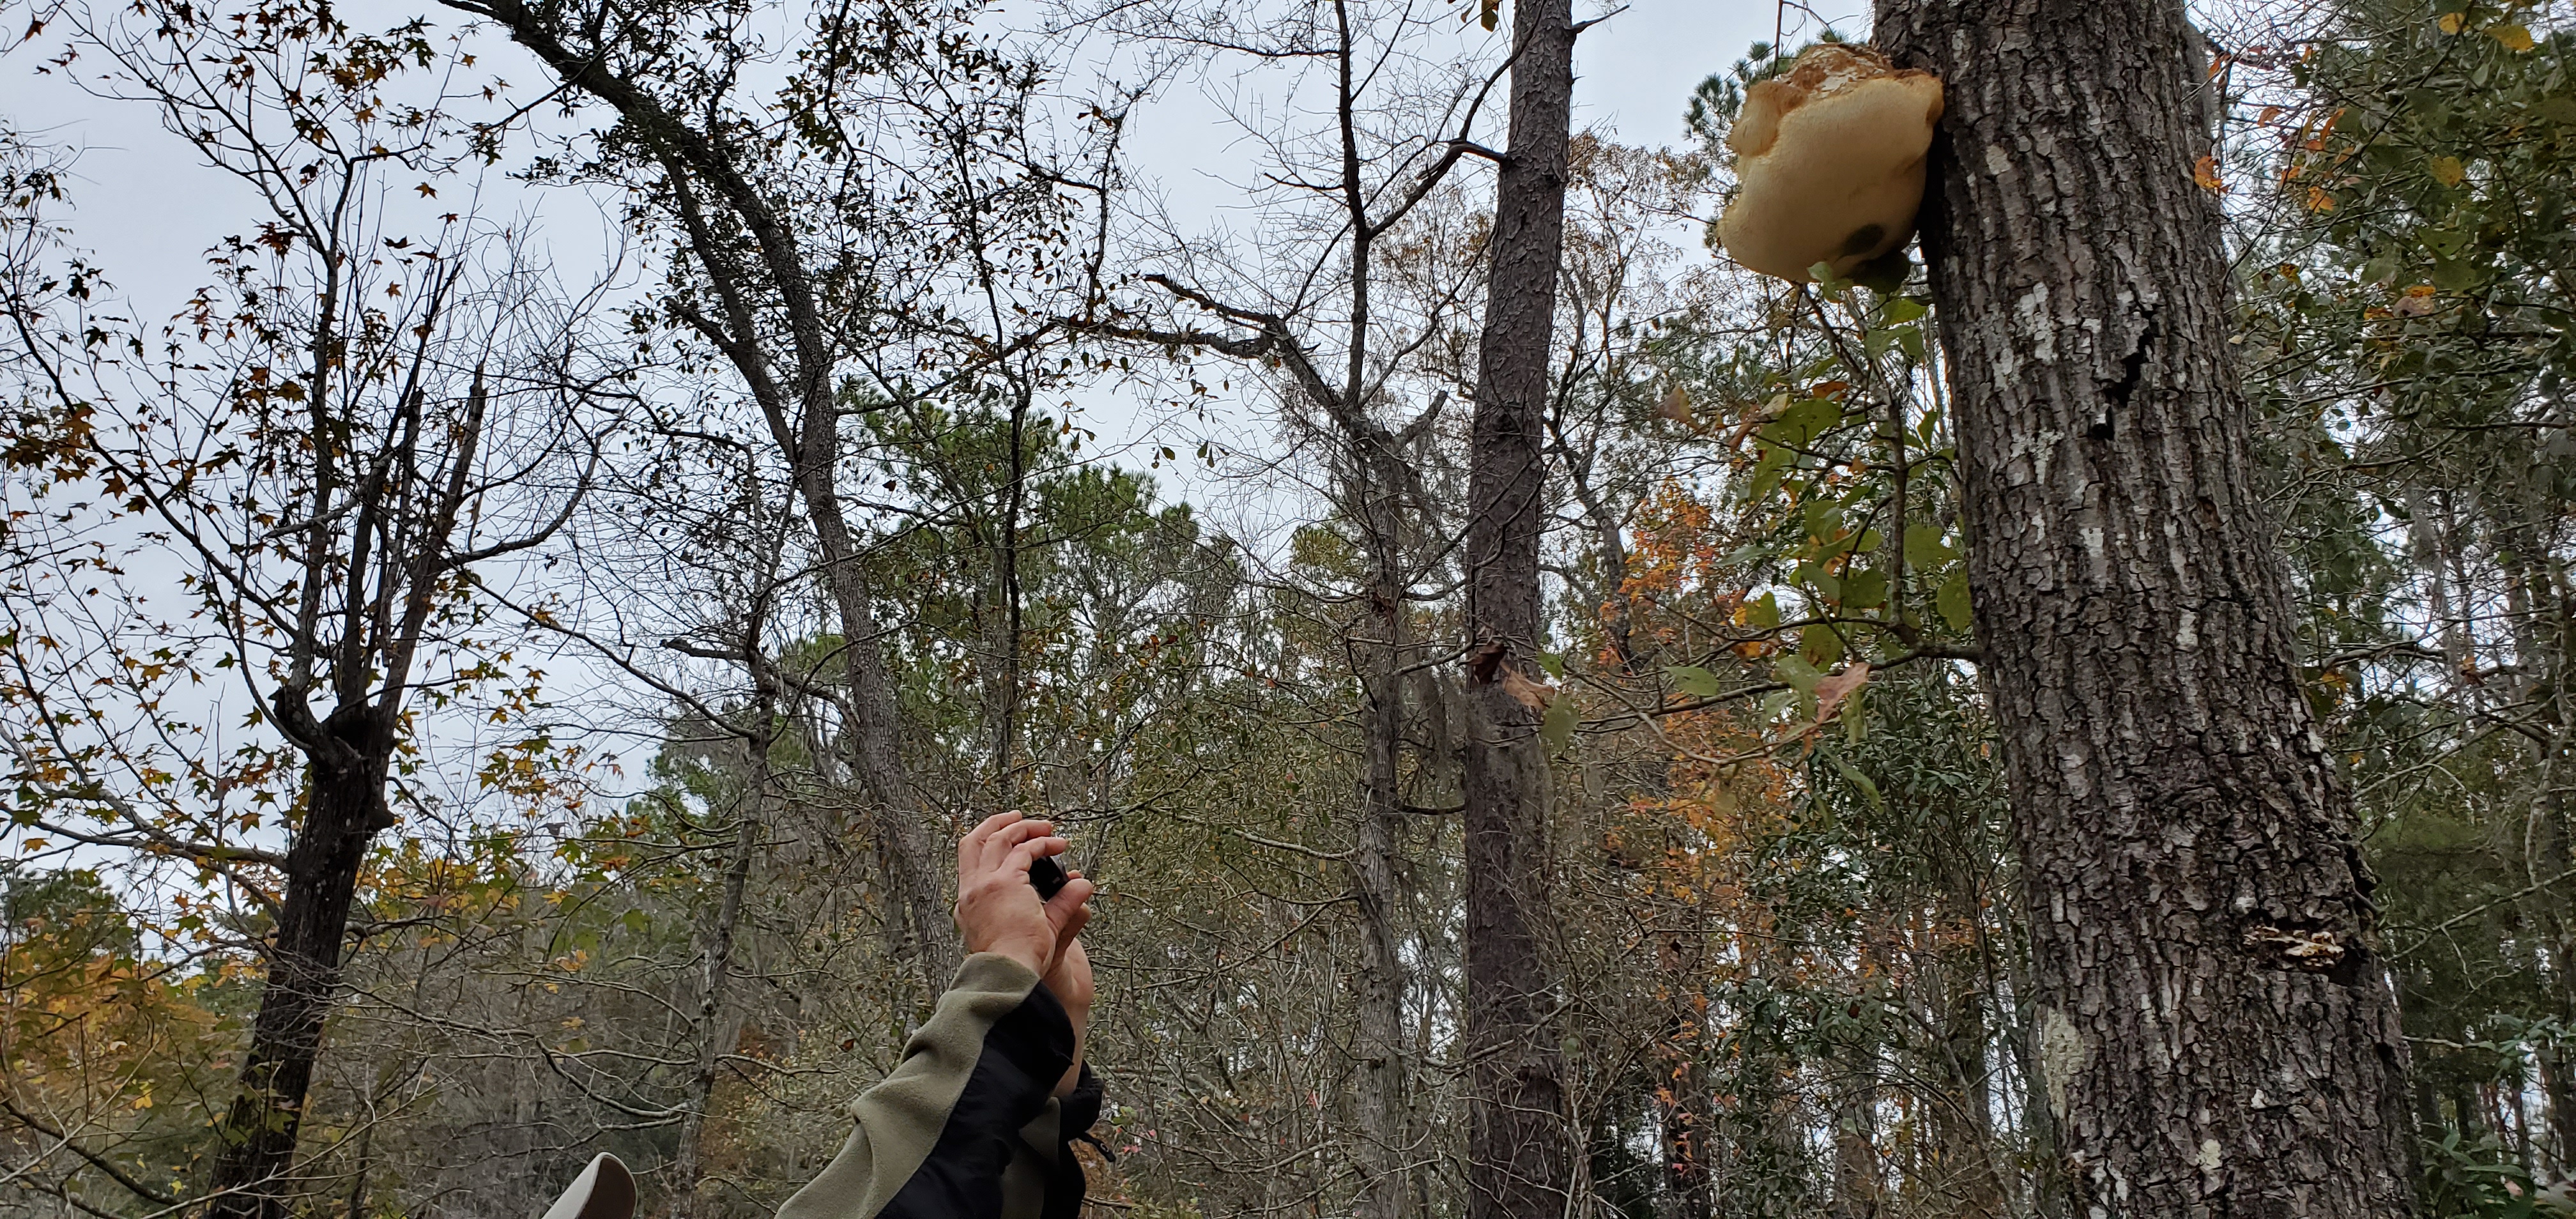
x: 1380, y: 1093
x: 344, y: 808
x: 1519, y: 1156
x: 716, y: 1033
x: 2217, y: 1035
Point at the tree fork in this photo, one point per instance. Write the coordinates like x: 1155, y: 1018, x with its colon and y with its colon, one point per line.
x: 2216, y: 1032
x: 344, y: 809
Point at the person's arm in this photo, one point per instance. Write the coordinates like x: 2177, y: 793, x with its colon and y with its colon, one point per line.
x: 934, y: 1140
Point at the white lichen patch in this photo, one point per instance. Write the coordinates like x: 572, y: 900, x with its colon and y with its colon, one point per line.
x: 2061, y: 1056
x: 1829, y: 162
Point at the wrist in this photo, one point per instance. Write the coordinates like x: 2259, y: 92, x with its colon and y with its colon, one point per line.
x: 1029, y: 956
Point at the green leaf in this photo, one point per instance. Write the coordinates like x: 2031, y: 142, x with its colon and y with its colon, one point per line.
x: 1554, y: 663
x: 1886, y: 273
x: 1798, y: 426
x: 1824, y: 518
x: 1693, y: 680
x: 1924, y: 547
x: 1868, y: 790
x: 1797, y: 674
x: 1766, y: 473
x: 1820, y: 647
x: 1763, y: 612
x: 1556, y: 728
x: 2455, y: 275
x: 1903, y: 309
x: 1864, y: 589
x: 1952, y: 601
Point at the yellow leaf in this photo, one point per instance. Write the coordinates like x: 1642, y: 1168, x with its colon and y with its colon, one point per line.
x: 2448, y: 171
x: 2515, y: 37
x: 144, y: 1101
x: 2451, y: 22
x: 2319, y: 200
x: 2205, y: 172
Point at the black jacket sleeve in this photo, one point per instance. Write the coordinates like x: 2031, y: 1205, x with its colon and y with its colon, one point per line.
x: 942, y: 1136
x: 1075, y: 1116
x: 1024, y: 1055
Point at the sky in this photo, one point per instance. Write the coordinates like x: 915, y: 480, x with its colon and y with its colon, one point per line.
x: 148, y: 215
x: 144, y: 211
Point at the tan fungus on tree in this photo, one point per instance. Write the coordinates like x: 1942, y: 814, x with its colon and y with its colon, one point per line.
x: 1829, y: 162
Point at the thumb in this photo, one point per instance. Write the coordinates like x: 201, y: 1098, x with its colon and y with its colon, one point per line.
x: 1070, y: 910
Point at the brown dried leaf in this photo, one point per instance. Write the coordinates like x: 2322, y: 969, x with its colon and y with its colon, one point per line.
x: 1535, y: 695
x: 1831, y: 691
x: 1675, y: 405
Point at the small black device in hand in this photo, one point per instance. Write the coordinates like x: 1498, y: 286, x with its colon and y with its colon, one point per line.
x: 1047, y: 877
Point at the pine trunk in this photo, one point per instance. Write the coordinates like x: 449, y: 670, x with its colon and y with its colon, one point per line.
x: 253, y: 1175
x: 2216, y: 1035
x: 1519, y: 1157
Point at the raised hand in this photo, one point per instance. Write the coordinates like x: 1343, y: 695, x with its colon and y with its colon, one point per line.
x: 998, y: 911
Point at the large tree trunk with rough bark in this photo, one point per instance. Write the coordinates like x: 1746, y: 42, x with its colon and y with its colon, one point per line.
x: 2216, y: 1034
x: 344, y: 808
x: 1519, y: 1157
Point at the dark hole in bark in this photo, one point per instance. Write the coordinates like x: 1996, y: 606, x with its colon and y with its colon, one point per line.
x: 2133, y: 366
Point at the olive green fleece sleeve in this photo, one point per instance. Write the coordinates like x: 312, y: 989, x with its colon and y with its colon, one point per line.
x: 900, y: 1120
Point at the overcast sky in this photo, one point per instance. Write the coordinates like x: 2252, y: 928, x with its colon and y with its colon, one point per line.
x: 149, y: 214
x: 146, y: 210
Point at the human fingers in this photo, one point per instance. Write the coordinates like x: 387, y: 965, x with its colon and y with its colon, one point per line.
x: 1014, y: 864
x: 999, y: 844
x: 1069, y: 911
x: 970, y: 849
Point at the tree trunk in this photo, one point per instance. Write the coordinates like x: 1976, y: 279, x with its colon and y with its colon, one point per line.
x: 1680, y: 1060
x: 906, y: 853
x: 691, y: 161
x: 1380, y: 1093
x: 1519, y: 1158
x: 715, y: 1033
x: 344, y: 807
x: 2216, y: 1033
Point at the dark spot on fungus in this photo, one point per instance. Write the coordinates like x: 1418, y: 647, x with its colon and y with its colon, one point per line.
x: 1864, y: 239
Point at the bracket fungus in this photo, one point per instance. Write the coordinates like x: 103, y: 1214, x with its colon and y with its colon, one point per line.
x: 1828, y: 162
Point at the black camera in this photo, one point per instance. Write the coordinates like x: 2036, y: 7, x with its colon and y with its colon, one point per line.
x: 1047, y: 877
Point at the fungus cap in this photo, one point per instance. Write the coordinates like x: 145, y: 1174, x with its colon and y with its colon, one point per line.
x: 1828, y: 162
